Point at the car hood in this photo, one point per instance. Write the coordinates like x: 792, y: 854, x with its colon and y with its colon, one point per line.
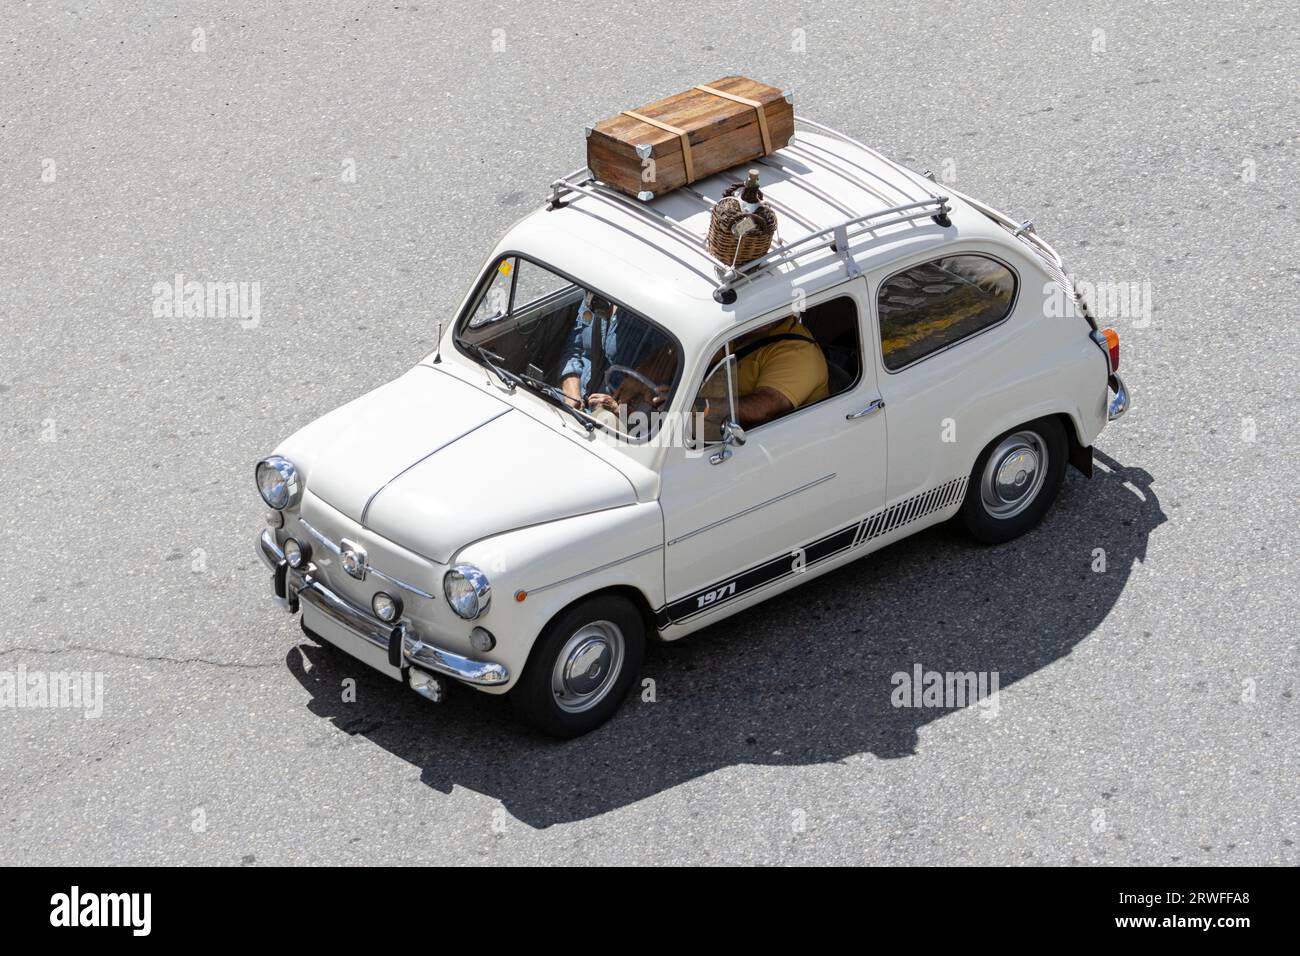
x: 433, y: 464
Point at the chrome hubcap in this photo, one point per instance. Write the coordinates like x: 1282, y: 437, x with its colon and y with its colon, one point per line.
x: 1014, y: 474
x: 587, y: 665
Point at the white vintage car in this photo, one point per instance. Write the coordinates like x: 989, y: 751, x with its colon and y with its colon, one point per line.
x: 622, y: 438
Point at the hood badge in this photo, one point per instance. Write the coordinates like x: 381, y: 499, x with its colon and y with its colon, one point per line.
x: 353, y: 558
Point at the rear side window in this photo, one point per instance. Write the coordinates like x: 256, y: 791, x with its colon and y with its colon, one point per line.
x: 930, y: 306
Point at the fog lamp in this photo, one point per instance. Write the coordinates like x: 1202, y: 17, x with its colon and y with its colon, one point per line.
x: 296, y: 554
x: 481, y: 640
x: 386, y: 607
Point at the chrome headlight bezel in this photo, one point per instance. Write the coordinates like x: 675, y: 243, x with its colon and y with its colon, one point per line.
x: 283, y: 489
x: 472, y: 594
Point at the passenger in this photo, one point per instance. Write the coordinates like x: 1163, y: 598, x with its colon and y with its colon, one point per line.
x: 776, y: 377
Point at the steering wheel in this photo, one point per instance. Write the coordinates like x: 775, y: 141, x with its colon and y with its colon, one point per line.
x: 652, y: 386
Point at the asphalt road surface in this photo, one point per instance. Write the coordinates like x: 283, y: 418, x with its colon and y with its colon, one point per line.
x: 1146, y: 712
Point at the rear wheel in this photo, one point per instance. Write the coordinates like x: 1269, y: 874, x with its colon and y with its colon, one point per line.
x: 1014, y: 481
x: 581, y: 667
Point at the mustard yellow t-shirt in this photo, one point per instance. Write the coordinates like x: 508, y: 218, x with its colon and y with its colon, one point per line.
x: 796, y: 370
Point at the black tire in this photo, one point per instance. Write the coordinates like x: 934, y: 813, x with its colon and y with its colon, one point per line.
x: 997, y: 510
x: 549, y: 696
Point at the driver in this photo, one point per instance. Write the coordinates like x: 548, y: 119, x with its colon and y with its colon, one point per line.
x: 593, y: 337
x: 594, y: 345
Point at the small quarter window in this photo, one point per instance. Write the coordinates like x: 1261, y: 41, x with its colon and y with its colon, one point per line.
x: 930, y: 306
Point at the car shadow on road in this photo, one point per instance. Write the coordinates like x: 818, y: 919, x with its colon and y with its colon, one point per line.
x: 804, y: 678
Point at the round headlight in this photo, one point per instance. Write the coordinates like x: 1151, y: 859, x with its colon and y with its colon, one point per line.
x: 467, y: 591
x: 277, y: 481
x: 386, y: 607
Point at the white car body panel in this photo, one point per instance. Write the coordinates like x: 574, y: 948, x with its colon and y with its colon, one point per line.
x: 813, y: 469
x: 434, y: 509
x: 393, y: 428
x: 446, y: 465
x: 555, y: 564
x: 944, y: 409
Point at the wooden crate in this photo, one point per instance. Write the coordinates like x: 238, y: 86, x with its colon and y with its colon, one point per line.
x: 652, y: 150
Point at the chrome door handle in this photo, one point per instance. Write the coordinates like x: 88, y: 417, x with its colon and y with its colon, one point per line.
x: 871, y: 409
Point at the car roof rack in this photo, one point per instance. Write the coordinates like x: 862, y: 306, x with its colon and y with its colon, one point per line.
x: 835, y: 235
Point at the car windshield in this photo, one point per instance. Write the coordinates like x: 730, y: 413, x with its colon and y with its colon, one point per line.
x: 538, y: 330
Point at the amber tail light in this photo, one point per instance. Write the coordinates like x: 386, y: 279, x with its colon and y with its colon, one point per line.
x: 1112, y: 346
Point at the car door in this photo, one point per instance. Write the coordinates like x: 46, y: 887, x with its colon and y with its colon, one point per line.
x: 741, y: 519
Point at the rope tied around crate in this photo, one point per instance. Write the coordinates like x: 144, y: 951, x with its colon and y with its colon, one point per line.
x: 755, y: 105
x: 669, y: 128
x: 684, y: 136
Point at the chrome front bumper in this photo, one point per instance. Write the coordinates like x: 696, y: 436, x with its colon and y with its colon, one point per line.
x: 401, y: 642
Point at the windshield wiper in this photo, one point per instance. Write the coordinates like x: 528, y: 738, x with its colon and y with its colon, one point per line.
x: 556, y: 397
x: 538, y: 387
x: 509, y: 379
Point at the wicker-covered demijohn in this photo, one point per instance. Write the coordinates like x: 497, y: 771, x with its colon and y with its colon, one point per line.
x: 723, y: 242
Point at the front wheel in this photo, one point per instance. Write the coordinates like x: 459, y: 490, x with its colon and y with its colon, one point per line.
x: 581, y: 667
x: 1014, y: 481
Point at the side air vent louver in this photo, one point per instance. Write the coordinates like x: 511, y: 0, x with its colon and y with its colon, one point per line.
x: 910, y: 509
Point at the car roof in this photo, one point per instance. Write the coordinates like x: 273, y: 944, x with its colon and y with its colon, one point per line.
x: 651, y: 256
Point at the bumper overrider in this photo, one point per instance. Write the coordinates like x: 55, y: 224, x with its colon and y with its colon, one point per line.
x: 401, y: 641
x: 1119, y: 404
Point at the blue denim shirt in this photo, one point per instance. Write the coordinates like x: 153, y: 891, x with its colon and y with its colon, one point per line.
x: 638, y: 339
x: 579, y: 349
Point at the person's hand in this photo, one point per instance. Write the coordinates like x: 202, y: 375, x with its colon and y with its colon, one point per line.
x: 660, y: 396
x: 601, y: 400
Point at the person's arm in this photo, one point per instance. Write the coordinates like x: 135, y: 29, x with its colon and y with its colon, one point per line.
x: 575, y: 360
x: 571, y: 385
x: 761, y: 405
x: 788, y: 375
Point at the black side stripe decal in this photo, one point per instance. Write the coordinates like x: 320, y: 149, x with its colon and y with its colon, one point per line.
x: 823, y: 549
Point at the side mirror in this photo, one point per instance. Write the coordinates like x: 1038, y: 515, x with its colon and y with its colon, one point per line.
x: 732, y: 434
